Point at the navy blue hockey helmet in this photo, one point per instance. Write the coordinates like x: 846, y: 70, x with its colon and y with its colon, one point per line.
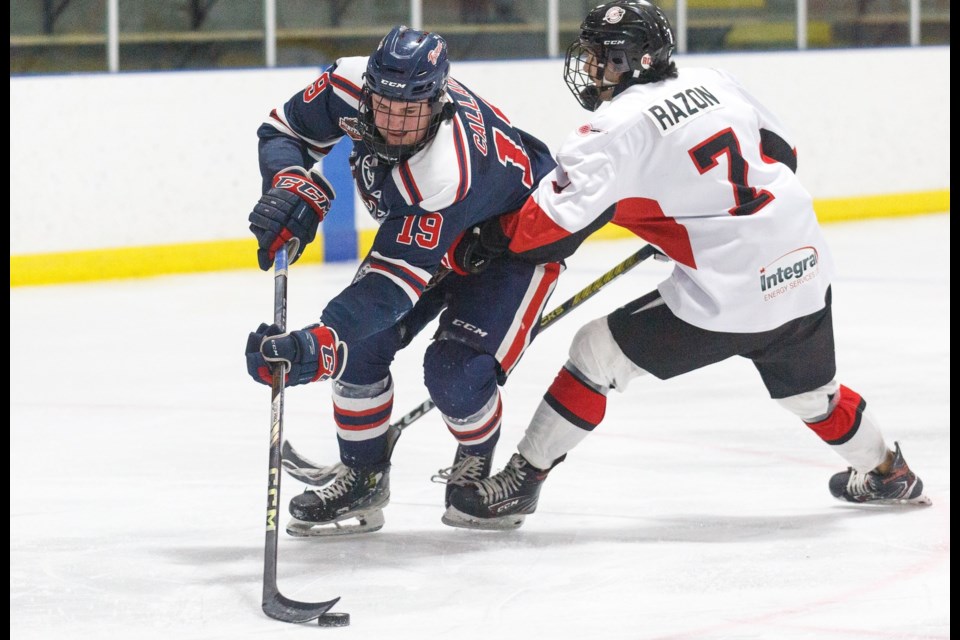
x: 409, y: 66
x: 629, y: 37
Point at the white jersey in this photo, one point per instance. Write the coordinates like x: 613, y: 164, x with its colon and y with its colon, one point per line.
x: 696, y: 166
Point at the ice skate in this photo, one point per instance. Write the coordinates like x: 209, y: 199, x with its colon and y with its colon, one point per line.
x: 499, y: 502
x: 352, y: 502
x: 466, y: 468
x: 899, y: 486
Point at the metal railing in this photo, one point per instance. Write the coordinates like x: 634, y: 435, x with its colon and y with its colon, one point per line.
x: 63, y: 35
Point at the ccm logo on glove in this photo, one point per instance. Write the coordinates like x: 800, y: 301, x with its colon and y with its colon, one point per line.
x: 312, y: 354
x: 309, y: 191
x: 292, y: 208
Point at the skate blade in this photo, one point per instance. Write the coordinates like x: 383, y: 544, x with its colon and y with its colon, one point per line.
x: 919, y: 501
x: 360, y: 523
x: 453, y: 517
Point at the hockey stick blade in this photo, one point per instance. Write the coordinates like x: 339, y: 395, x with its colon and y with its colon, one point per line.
x: 305, y: 470
x: 314, y: 474
x: 280, y: 607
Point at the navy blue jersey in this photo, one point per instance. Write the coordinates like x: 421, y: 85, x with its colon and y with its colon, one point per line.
x: 477, y: 167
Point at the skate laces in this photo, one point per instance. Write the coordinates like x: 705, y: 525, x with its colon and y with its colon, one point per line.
x: 499, y: 486
x: 340, y: 485
x: 896, y: 484
x: 857, y: 484
x: 468, y: 469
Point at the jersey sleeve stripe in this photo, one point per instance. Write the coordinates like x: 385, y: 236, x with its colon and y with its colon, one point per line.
x: 411, y: 280
x: 496, y: 110
x: 279, y: 122
x: 535, y: 228
x: 645, y: 218
x: 463, y: 160
x: 518, y: 336
x: 412, y: 292
x: 344, y: 88
x: 410, y: 192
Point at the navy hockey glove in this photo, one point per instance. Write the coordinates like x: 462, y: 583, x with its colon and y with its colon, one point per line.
x: 312, y: 354
x: 293, y: 208
x: 476, y: 247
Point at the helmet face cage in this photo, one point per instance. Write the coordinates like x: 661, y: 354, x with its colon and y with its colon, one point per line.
x: 576, y: 74
x: 417, y: 121
x: 631, y: 37
x: 403, y: 90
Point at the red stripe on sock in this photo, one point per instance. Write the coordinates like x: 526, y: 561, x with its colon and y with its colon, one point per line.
x: 844, y: 418
x: 577, y: 398
x: 491, y: 425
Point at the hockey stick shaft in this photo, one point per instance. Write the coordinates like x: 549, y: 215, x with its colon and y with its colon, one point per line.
x: 275, y: 604
x: 547, y: 319
x: 313, y: 473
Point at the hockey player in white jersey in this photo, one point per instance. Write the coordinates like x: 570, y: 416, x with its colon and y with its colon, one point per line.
x: 692, y: 163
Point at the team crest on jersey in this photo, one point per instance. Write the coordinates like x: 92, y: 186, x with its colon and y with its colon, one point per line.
x: 366, y: 172
x: 371, y: 202
x: 614, y: 15
x: 349, y: 127
x: 789, y: 271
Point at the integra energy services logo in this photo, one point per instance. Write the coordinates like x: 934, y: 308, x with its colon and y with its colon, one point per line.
x: 789, y: 271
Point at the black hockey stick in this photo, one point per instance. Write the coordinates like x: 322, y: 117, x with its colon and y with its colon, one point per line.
x: 312, y: 473
x: 275, y: 604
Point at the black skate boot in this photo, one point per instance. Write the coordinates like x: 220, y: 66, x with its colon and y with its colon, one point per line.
x: 355, y: 492
x: 500, y: 502
x: 467, y: 467
x: 898, y: 486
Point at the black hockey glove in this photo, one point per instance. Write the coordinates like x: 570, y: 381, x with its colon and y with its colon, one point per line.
x: 476, y: 247
x: 292, y: 208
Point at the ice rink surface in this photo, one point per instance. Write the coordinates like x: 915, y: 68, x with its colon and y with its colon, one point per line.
x: 698, y: 509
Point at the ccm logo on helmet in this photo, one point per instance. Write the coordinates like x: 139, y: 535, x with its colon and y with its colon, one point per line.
x: 609, y: 42
x: 390, y: 83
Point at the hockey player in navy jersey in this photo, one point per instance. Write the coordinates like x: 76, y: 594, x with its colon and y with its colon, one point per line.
x: 691, y: 162
x: 431, y: 160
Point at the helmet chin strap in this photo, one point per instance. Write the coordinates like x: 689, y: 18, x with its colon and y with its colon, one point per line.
x: 608, y: 87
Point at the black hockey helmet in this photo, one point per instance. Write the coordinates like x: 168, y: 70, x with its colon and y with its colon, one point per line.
x: 408, y: 66
x: 630, y: 37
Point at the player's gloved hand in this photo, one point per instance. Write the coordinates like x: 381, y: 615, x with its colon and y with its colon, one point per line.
x: 474, y: 250
x: 292, y: 208
x: 311, y: 354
